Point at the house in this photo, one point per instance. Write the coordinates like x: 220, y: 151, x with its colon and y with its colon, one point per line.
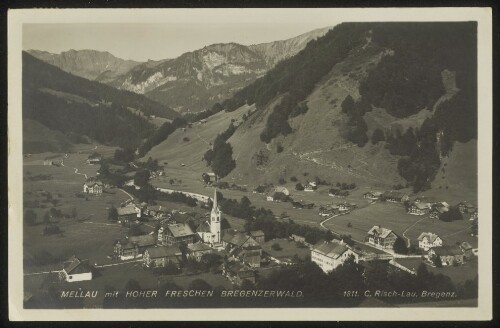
x: 209, y: 177
x: 427, y: 240
x: 197, y: 250
x: 75, y: 269
x: 345, y: 206
x: 465, y: 207
x: 327, y: 211
x: 242, y: 247
x: 156, y: 211
x: 128, y: 214
x: 467, y: 250
x: 418, y: 208
x: 394, y: 196
x: 160, y: 257
x: 173, y: 234
x: 270, y: 197
x: 258, y: 235
x: 372, y: 195
x: 237, y: 272
x: 94, y: 158
x: 436, y: 212
x: 298, y: 239
x: 328, y: 255
x: 93, y: 186
x: 381, y: 237
x: 311, y: 186
x: 134, y: 246
x: 448, y: 255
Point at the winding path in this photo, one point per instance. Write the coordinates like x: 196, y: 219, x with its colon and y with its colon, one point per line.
x: 406, y: 230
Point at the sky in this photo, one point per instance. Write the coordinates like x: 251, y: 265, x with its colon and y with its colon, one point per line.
x: 167, y: 34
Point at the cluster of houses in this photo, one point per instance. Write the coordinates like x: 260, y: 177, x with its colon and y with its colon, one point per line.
x: 340, y: 208
x: 242, y: 250
x: 421, y: 205
x: 391, y: 196
x: 428, y: 242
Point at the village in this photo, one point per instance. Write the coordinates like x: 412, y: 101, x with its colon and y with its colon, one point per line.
x: 168, y: 240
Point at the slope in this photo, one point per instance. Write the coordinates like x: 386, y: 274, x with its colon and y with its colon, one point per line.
x: 38, y: 138
x: 64, y: 104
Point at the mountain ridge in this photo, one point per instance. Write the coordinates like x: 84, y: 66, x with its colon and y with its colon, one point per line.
x: 87, y: 63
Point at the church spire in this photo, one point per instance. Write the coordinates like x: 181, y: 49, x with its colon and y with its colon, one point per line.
x: 214, y: 207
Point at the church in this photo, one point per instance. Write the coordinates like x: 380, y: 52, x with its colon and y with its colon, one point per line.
x: 210, y: 231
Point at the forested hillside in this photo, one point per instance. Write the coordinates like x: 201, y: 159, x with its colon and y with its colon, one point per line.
x: 406, y: 77
x: 83, y: 109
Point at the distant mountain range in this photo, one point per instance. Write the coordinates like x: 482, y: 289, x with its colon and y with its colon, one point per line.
x: 193, y: 81
x: 90, y: 64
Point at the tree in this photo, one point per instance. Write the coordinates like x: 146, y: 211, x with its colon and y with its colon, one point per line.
x: 247, y: 285
x: 299, y: 186
x: 452, y: 215
x: 437, y: 261
x: 474, y: 228
x: 347, y: 105
x: 46, y: 218
x: 141, y: 178
x: 400, y: 246
x: 30, y: 217
x: 276, y: 247
x: 199, y: 284
x: 74, y: 212
x: 377, y: 136
x: 113, y: 213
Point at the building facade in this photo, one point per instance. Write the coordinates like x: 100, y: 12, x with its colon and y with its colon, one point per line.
x: 330, y: 255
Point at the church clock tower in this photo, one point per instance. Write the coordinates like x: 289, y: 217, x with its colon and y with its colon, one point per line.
x: 215, y: 218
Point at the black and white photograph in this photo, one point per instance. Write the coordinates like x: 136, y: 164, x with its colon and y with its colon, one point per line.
x: 280, y: 159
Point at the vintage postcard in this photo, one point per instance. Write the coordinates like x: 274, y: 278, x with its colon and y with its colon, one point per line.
x: 206, y: 164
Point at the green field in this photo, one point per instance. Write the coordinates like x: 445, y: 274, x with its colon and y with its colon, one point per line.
x: 288, y: 249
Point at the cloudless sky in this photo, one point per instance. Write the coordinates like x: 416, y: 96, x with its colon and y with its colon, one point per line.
x: 143, y: 41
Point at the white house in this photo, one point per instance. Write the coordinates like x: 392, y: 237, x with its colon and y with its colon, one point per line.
x: 427, y: 240
x: 329, y: 255
x: 93, y: 186
x: 76, y: 270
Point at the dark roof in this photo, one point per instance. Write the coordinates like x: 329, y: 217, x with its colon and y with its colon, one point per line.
x: 199, y: 247
x: 257, y: 233
x: 75, y: 266
x: 127, y: 210
x: 163, y: 251
x: 180, y: 230
x: 450, y: 250
x: 382, y: 232
x: 203, y: 227
x: 465, y: 246
x: 430, y: 236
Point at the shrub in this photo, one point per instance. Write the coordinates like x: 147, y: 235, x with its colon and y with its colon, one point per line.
x: 276, y: 247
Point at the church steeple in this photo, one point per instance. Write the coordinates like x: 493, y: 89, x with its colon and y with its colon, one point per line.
x: 215, y: 206
x: 215, y: 220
